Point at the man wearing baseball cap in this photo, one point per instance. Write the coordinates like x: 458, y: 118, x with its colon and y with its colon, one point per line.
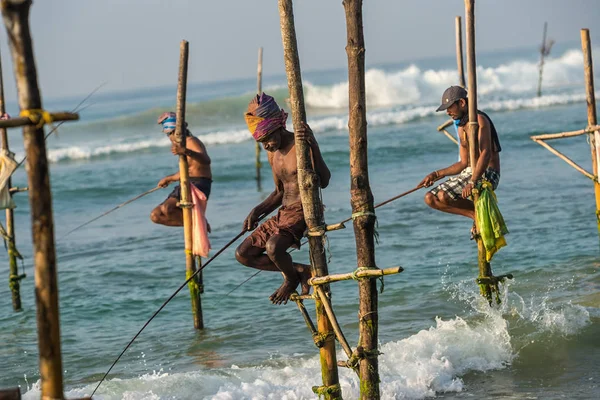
x: 453, y: 195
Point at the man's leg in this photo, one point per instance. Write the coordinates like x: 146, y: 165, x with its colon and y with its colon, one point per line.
x: 276, y: 258
x: 443, y: 202
x: 167, y: 213
x: 276, y: 249
x: 254, y: 257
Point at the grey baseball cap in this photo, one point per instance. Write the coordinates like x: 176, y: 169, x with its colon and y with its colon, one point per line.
x: 452, y: 95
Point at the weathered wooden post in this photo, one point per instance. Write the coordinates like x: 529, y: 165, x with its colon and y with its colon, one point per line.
x: 16, y: 19
x: 544, y: 51
x: 311, y: 202
x: 14, y: 278
x: 485, y: 270
x: 459, y: 52
x: 259, y: 91
x: 363, y: 212
x: 588, y: 68
x: 185, y: 202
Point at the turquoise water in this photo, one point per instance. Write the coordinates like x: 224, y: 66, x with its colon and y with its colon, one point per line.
x: 437, y: 336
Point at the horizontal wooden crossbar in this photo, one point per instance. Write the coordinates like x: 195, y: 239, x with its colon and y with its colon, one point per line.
x: 364, y: 273
x: 552, y: 136
x: 22, y: 121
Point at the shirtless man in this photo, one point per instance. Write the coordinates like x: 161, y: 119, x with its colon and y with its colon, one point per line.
x: 168, y: 213
x: 452, y: 196
x: 265, y: 248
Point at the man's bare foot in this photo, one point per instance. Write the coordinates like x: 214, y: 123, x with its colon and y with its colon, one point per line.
x: 304, y: 274
x: 282, y: 295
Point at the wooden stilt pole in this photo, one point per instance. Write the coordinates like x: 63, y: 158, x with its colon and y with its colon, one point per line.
x: 14, y: 278
x: 588, y: 68
x: 185, y: 202
x: 459, y: 53
x: 544, y: 51
x: 361, y: 199
x: 485, y: 270
x: 16, y: 20
x: 311, y: 202
x: 259, y: 91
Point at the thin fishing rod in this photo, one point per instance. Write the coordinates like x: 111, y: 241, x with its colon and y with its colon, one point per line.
x: 139, y: 196
x: 344, y: 221
x: 171, y: 297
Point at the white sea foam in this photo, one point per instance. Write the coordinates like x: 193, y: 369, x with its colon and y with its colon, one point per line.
x: 430, y: 361
x: 394, y: 98
x: 414, y: 85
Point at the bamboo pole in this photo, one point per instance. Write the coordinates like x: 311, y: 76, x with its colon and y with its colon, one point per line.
x: 588, y: 68
x: 185, y: 202
x: 485, y: 269
x: 551, y: 136
x: 459, y: 52
x: 361, y: 199
x: 259, y: 91
x: 23, y: 121
x: 334, y: 323
x: 309, y: 186
x: 16, y: 19
x: 449, y: 136
x: 564, y: 158
x: 445, y: 125
x: 14, y: 279
x: 359, y: 274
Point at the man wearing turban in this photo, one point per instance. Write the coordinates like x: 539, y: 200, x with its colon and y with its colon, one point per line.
x: 266, y: 248
x: 168, y: 213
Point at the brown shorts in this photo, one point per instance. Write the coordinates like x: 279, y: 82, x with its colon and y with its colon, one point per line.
x: 288, y: 221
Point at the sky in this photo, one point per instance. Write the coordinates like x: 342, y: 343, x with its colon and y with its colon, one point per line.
x: 131, y: 44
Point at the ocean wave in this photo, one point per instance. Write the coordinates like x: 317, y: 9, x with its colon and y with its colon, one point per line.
x: 319, y: 125
x: 80, y: 152
x: 430, y: 361
x: 414, y: 85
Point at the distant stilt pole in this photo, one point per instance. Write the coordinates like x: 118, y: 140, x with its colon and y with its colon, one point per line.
x: 259, y: 91
x: 485, y: 269
x: 185, y: 203
x: 544, y: 51
x: 14, y: 278
x: 16, y: 20
x: 309, y: 184
x: 362, y: 201
x: 588, y: 68
x: 459, y: 52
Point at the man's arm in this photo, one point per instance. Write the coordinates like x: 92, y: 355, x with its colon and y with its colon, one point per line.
x: 164, y: 182
x: 453, y: 169
x: 194, y: 149
x: 268, y: 205
x: 319, y: 165
x: 484, y: 139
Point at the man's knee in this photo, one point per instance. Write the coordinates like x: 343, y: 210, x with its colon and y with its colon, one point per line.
x: 275, y: 246
x: 169, y: 207
x: 156, y: 216
x: 444, y: 198
x: 241, y: 255
x: 430, y: 199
